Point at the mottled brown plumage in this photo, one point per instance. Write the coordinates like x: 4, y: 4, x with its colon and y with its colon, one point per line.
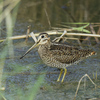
x: 59, y: 55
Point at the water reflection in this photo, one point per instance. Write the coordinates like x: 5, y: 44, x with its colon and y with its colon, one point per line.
x: 59, y: 11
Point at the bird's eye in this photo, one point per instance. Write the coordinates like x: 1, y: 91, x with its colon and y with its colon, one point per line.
x: 42, y: 36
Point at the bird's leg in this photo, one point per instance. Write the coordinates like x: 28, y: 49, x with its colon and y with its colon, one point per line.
x: 61, y: 71
x: 64, y: 74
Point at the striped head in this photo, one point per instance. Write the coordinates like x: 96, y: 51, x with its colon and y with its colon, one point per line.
x: 43, y: 38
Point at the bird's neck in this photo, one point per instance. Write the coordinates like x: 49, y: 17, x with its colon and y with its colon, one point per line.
x: 46, y: 45
x: 43, y: 48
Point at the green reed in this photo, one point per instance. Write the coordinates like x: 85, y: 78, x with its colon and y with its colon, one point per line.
x: 8, y: 13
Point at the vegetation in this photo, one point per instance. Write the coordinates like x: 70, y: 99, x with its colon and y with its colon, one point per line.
x: 8, y: 13
x: 18, y: 78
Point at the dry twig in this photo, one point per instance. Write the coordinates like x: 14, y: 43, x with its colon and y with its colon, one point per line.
x: 86, y: 75
x: 93, y: 31
x: 28, y: 31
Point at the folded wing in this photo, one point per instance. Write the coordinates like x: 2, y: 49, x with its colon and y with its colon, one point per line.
x: 67, y: 54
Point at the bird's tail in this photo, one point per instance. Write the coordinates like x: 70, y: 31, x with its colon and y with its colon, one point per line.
x: 93, y: 53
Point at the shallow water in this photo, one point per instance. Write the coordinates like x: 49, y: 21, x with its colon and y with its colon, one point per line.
x: 20, y: 75
x: 23, y: 73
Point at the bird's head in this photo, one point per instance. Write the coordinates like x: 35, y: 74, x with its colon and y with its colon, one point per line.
x: 43, y: 38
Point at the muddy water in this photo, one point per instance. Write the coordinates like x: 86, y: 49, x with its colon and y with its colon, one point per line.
x: 20, y: 75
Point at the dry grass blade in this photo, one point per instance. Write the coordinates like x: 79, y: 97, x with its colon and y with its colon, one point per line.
x: 58, y: 38
x: 93, y: 31
x: 33, y: 36
x: 52, y: 33
x: 82, y: 34
x: 98, y: 32
x: 86, y: 75
x: 47, y: 17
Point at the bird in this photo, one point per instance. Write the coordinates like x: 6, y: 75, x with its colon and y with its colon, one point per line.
x: 59, y: 55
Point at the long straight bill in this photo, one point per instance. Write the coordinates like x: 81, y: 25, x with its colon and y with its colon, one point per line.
x: 35, y: 45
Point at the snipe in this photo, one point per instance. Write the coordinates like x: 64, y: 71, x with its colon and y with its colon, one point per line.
x: 58, y: 55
